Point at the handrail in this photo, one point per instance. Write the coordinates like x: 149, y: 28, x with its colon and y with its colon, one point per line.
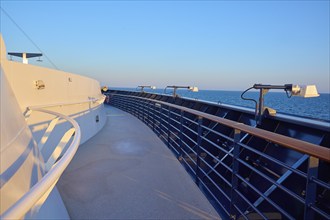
x: 92, y: 99
x: 320, y: 152
x: 29, y: 199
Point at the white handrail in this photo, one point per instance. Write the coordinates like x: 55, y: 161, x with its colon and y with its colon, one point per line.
x: 26, y: 202
x: 92, y: 99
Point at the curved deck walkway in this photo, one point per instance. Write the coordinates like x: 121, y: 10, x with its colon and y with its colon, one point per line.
x: 126, y: 172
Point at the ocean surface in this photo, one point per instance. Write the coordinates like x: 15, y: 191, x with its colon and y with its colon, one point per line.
x: 317, y: 108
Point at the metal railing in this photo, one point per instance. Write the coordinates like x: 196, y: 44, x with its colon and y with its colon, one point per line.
x: 54, y: 169
x: 236, y: 165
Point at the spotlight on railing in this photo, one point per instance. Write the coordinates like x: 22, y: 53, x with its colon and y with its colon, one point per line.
x: 306, y: 91
x: 191, y: 88
x: 142, y: 87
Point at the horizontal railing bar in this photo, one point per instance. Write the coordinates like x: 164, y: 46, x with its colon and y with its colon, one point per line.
x: 320, y: 152
x: 264, y: 197
x: 216, y: 185
x: 157, y: 132
x: 187, y: 146
x: 214, y: 197
x: 148, y: 121
x: 189, y: 129
x: 162, y: 136
x: 215, y: 145
x: 156, y: 116
x: 293, y: 195
x: 174, y: 120
x: 175, y: 135
x: 163, y: 126
x: 240, y: 212
x: 176, y: 114
x: 165, y: 109
x: 250, y: 205
x: 190, y: 120
x: 321, y: 183
x: 174, y: 148
x: 188, y: 156
x: 176, y: 129
x: 219, y: 134
x: 195, y: 143
x: 187, y: 164
x: 217, y: 159
x: 163, y: 131
x: 161, y: 118
x: 320, y: 212
x: 176, y: 143
x: 216, y: 172
x: 272, y: 159
x: 35, y: 107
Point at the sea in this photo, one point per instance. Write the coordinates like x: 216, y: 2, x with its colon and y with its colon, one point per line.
x: 316, y: 108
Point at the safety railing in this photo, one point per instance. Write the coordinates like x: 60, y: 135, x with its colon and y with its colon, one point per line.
x: 54, y: 167
x: 240, y: 168
x: 89, y: 101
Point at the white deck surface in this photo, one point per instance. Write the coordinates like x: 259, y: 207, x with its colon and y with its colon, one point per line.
x: 126, y: 172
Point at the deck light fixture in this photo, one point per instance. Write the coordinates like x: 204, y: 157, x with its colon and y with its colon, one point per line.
x: 191, y: 88
x: 306, y: 91
x: 142, y: 87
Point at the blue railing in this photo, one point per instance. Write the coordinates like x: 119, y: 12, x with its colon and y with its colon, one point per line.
x: 241, y: 169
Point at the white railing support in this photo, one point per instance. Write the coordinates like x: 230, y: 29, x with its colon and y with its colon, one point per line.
x: 40, y: 191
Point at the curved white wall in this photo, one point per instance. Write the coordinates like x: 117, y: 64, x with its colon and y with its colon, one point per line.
x: 59, y: 86
x: 19, y: 136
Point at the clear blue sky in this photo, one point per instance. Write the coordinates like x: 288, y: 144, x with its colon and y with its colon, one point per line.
x: 221, y: 45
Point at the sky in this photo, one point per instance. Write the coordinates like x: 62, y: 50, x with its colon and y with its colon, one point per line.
x: 216, y: 45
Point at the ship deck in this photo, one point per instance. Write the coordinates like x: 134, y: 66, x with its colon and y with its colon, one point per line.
x: 126, y: 172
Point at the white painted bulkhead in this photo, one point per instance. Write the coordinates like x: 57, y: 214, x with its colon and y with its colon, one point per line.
x: 22, y: 163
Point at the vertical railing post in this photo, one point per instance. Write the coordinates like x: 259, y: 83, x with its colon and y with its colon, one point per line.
x: 168, y: 126
x: 135, y: 108
x: 199, y: 141
x: 143, y: 111
x: 129, y: 106
x: 235, y: 167
x: 181, y: 135
x: 131, y: 109
x: 123, y: 103
x: 311, y: 187
x: 138, y: 105
x: 145, y: 114
x: 126, y: 104
x: 149, y: 114
x: 154, y: 117
x: 160, y: 120
x: 120, y: 102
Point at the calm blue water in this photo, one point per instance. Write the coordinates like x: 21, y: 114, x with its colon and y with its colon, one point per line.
x: 318, y: 108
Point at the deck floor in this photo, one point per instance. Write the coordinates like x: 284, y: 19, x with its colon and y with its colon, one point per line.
x: 126, y: 172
